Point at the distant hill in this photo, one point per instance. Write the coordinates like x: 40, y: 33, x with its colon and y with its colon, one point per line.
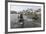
x: 13, y: 12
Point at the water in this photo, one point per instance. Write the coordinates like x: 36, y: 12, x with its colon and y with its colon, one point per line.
x: 27, y: 22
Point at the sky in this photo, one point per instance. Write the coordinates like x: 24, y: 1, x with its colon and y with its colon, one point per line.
x: 23, y: 7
